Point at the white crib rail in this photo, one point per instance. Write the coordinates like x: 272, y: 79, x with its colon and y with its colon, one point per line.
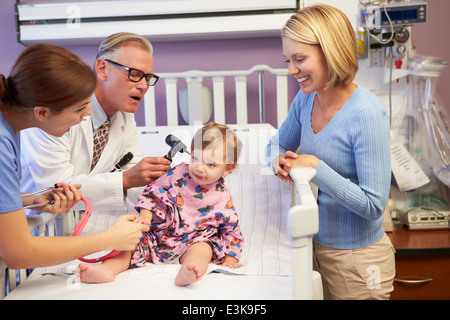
x: 40, y: 225
x: 303, y: 224
x: 194, y: 80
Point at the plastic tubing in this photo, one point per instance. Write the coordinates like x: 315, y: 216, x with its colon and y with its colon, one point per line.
x: 79, y: 228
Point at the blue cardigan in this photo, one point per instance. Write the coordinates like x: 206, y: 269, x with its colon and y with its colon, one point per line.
x: 354, y: 172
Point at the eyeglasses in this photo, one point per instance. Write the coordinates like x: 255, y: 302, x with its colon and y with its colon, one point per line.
x: 136, y: 75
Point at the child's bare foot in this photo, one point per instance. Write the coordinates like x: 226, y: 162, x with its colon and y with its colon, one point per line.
x: 95, y: 273
x: 189, y: 273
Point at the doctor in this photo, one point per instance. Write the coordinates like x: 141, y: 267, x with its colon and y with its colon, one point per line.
x: 49, y: 88
x: 124, y: 68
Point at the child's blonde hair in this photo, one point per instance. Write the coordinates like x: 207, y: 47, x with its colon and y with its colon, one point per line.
x: 209, y: 137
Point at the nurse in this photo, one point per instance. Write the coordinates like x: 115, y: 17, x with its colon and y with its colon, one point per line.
x: 48, y: 88
x: 124, y: 69
x: 343, y: 132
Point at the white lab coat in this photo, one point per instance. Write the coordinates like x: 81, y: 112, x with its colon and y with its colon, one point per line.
x: 47, y: 159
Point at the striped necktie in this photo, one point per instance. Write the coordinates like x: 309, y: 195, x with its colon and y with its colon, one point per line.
x: 100, y: 140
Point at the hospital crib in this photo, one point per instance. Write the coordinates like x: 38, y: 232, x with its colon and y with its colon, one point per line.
x: 41, y: 225
x: 194, y: 81
x: 301, y: 217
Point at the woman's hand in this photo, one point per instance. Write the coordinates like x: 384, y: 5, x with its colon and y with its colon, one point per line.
x: 282, y: 165
x: 63, y: 199
x: 304, y: 161
x: 126, y: 232
x: 285, y: 162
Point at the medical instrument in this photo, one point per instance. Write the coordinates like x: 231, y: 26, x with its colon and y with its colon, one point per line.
x: 38, y: 205
x: 125, y: 159
x: 56, y: 185
x: 32, y: 206
x: 395, y: 15
x: 425, y: 219
x: 79, y: 227
x: 176, y: 146
x: 84, y: 219
x: 426, y: 71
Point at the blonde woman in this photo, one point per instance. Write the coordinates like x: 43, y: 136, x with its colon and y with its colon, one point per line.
x: 343, y: 132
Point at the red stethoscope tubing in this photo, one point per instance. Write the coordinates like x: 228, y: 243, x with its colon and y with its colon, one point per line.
x: 79, y: 227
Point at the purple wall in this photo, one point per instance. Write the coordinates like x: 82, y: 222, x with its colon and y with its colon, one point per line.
x: 234, y: 54
x: 432, y: 39
x: 211, y: 55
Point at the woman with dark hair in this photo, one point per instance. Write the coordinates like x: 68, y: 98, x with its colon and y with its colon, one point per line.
x: 49, y: 88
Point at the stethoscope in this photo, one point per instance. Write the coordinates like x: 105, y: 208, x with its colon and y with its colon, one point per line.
x: 56, y: 185
x: 81, y: 224
x: 87, y: 214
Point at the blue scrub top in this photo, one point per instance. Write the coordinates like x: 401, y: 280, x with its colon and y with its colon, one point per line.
x: 10, y: 169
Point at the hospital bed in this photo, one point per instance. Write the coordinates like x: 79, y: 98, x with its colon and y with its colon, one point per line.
x: 277, y: 219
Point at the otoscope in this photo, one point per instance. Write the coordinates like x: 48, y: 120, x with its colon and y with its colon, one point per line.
x: 123, y: 161
x: 176, y: 146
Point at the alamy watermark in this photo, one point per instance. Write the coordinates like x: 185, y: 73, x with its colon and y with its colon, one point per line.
x: 74, y: 281
x: 373, y: 17
x: 74, y: 17
x: 374, y: 279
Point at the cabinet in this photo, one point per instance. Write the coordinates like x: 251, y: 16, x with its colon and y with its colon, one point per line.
x: 422, y: 264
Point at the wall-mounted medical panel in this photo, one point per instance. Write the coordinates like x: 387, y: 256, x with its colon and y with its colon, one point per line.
x: 159, y: 20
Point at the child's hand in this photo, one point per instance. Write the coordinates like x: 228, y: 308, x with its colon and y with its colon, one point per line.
x: 231, y: 262
x: 142, y: 220
x: 145, y: 217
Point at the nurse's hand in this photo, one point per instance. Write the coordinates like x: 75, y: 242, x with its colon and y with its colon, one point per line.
x: 145, y: 172
x: 63, y: 199
x: 282, y: 165
x: 126, y: 232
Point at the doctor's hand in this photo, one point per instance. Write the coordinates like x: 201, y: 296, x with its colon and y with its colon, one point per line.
x: 62, y: 199
x: 145, y: 172
x: 126, y: 232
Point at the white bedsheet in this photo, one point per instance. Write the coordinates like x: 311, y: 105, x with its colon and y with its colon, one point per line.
x: 262, y: 202
x: 150, y: 284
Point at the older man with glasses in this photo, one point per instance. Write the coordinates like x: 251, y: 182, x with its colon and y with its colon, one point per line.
x: 88, y: 153
x: 136, y: 75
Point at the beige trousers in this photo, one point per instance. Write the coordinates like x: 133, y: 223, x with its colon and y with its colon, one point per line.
x: 361, y: 274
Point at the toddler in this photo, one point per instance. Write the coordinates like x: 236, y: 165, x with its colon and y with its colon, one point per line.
x: 190, y: 212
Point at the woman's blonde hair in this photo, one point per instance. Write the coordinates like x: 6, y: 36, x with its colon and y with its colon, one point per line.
x: 212, y: 134
x: 117, y: 40
x: 329, y: 28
